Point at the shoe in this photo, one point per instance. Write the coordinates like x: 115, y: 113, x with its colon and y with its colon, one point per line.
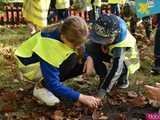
x: 156, y: 66
x: 101, y: 93
x: 155, y: 70
x: 45, y: 96
x: 123, y: 82
x: 124, y: 85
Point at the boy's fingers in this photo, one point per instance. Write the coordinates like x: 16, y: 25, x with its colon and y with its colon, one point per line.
x: 153, y: 91
x: 158, y: 85
x: 148, y: 87
x: 151, y: 88
x: 96, y: 103
x: 84, y: 68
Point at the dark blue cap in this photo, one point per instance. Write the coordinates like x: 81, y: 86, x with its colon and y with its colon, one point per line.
x: 104, y: 29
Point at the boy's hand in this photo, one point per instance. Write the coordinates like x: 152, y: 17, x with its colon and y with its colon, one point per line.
x: 158, y: 85
x: 153, y: 92
x: 88, y: 66
x: 90, y: 101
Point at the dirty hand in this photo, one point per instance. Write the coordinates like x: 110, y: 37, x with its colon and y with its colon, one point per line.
x: 88, y: 66
x: 153, y: 92
x: 90, y: 101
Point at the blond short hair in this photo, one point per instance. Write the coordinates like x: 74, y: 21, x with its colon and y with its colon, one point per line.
x: 75, y: 30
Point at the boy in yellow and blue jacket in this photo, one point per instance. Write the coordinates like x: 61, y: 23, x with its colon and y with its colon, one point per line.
x: 110, y: 41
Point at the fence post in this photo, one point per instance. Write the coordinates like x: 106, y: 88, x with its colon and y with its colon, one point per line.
x: 17, y: 15
x: 7, y: 15
x: 12, y: 15
x: 2, y: 20
x: 86, y: 15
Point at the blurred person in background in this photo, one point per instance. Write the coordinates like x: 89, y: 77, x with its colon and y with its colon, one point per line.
x: 35, y: 13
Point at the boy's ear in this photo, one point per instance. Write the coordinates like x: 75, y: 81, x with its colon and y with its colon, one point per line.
x: 117, y: 33
x: 104, y: 49
x: 110, y: 41
x: 62, y: 37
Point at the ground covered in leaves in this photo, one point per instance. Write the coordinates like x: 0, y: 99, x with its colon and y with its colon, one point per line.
x: 17, y: 102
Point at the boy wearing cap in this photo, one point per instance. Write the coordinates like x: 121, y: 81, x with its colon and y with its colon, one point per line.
x: 110, y: 39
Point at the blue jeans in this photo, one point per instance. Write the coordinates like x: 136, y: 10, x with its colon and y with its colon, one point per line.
x: 94, y: 50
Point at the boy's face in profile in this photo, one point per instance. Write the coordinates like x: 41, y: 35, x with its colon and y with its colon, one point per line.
x: 110, y: 40
x: 105, y: 30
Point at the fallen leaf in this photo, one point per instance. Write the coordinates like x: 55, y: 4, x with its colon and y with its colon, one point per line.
x: 138, y: 101
x: 86, y: 117
x: 139, y: 82
x: 7, y: 109
x: 96, y: 115
x: 57, y: 115
x: 15, y: 81
x: 132, y: 94
x: 114, y: 92
x: 10, y: 96
x: 78, y: 106
x: 114, y: 102
x: 103, y: 118
x: 21, y: 89
x: 154, y: 103
x: 123, y: 99
x: 121, y: 117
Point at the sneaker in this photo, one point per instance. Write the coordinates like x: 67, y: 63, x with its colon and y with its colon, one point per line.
x: 101, y: 93
x: 156, y: 66
x: 155, y: 70
x: 124, y: 85
x: 45, y: 96
x: 123, y: 82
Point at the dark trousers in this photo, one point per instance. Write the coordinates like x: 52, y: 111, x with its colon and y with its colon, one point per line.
x: 99, y: 58
x: 71, y: 67
x: 120, y: 81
